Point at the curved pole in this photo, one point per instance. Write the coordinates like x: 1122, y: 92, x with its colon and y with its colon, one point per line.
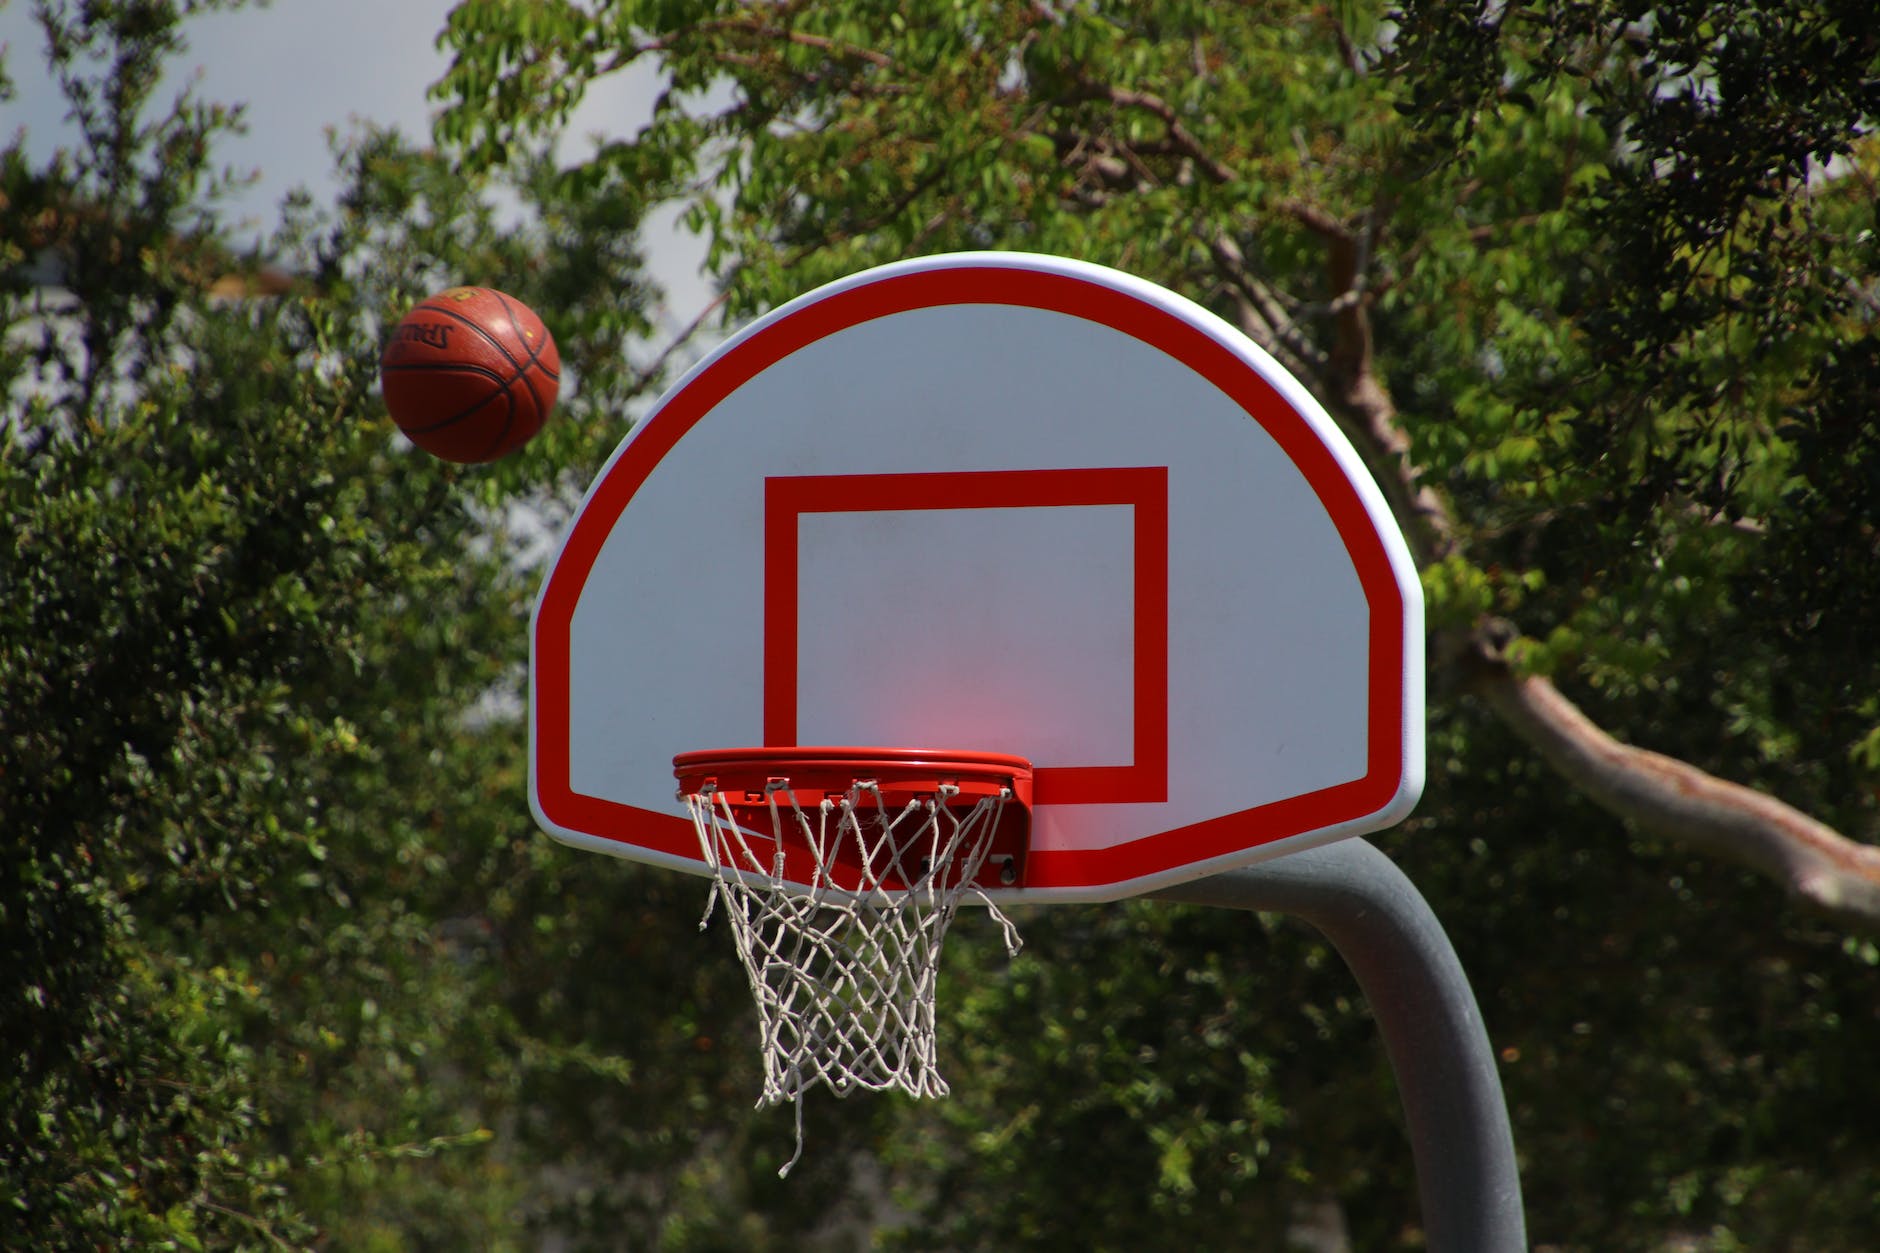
x: 1439, y: 1050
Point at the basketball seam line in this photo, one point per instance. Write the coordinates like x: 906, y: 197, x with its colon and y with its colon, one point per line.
x: 522, y: 373
x: 535, y: 350
x: 502, y: 389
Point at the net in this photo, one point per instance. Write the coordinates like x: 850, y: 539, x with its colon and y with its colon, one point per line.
x: 839, y: 907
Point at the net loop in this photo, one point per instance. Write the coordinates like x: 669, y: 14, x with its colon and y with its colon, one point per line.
x: 844, y: 977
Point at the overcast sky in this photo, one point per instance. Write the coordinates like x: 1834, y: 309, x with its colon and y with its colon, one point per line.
x: 302, y: 66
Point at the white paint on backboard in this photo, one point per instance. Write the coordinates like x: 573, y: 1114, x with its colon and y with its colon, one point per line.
x: 1004, y: 629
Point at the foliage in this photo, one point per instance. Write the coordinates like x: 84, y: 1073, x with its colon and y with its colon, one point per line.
x: 1682, y: 350
x: 1613, y: 262
x: 286, y: 964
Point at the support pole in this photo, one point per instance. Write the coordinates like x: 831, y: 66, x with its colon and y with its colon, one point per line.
x: 1439, y: 1050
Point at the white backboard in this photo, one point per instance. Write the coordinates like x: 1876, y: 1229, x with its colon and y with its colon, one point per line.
x: 1004, y: 503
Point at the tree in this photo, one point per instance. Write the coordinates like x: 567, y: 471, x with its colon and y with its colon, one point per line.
x: 284, y: 963
x: 1590, y: 287
x: 212, y: 560
x: 1684, y: 208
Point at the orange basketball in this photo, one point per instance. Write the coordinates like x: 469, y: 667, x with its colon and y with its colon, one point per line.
x: 470, y: 374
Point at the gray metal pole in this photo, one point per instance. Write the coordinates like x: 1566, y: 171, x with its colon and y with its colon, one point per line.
x: 1452, y: 1099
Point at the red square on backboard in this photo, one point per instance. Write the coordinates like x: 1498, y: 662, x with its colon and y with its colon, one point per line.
x: 1143, y: 490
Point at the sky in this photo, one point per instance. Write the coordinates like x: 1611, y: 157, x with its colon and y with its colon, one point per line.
x: 303, y: 66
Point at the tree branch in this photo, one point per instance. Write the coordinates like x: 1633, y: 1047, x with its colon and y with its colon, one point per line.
x: 1674, y: 800
x: 1662, y: 796
x: 1180, y: 137
x: 1262, y: 316
x: 1357, y: 398
x: 761, y: 30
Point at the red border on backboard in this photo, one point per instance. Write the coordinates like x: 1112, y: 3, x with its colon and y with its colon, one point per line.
x: 1087, y: 871
x: 1144, y: 489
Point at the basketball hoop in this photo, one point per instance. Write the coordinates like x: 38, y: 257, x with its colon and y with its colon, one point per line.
x: 841, y: 870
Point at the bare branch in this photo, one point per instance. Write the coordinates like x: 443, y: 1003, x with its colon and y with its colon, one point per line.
x: 1369, y: 419
x: 1262, y: 315
x: 761, y: 30
x: 1817, y: 865
x: 1674, y: 800
x: 1356, y: 396
x: 650, y: 374
x: 1180, y: 137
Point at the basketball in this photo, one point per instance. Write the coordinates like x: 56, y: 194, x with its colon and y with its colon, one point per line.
x: 470, y: 374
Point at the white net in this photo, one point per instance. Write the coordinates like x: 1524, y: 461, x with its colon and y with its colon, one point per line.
x: 844, y: 977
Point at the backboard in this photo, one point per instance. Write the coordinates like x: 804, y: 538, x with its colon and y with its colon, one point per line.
x: 1001, y: 503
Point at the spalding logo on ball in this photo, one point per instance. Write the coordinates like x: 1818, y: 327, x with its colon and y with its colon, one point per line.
x: 470, y: 374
